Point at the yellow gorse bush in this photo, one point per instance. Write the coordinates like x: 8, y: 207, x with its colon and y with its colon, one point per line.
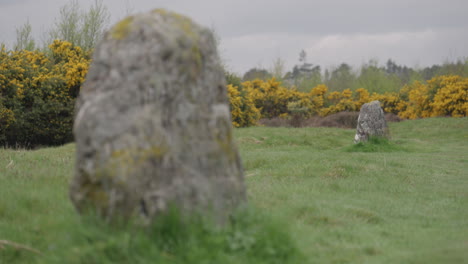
x: 315, y: 99
x: 390, y: 102
x: 451, y: 98
x: 441, y: 96
x: 339, y: 102
x: 70, y: 61
x: 270, y: 97
x: 243, y: 110
x: 37, y: 93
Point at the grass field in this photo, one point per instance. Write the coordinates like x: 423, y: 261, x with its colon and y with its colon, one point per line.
x: 402, y: 201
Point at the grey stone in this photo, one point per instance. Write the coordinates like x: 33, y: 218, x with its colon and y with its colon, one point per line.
x: 371, y: 122
x: 152, y: 125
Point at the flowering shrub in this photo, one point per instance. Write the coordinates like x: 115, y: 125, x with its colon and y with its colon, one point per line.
x: 451, y: 97
x: 441, y: 96
x: 390, y: 102
x: 317, y: 98
x: 269, y: 97
x: 243, y: 110
x: 37, y: 94
x: 339, y: 102
x: 417, y: 103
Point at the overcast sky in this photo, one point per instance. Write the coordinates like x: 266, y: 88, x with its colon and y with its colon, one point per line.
x: 253, y: 33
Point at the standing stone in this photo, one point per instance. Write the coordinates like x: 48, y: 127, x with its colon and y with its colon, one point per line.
x: 152, y: 123
x: 371, y: 122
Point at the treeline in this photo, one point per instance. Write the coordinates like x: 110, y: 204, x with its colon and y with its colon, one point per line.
x: 81, y: 27
x: 371, y: 76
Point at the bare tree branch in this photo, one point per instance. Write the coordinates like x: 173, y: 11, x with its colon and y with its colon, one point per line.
x: 19, y: 246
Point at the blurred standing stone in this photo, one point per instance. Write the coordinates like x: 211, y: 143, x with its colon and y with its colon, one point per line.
x: 371, y: 122
x: 152, y: 123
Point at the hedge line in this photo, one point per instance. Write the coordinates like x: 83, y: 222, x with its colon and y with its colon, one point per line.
x: 38, y: 92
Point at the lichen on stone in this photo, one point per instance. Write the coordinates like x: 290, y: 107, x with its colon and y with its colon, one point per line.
x: 186, y: 25
x: 93, y: 193
x: 226, y: 146
x: 160, y: 132
x: 135, y: 157
x: 161, y: 11
x: 122, y: 29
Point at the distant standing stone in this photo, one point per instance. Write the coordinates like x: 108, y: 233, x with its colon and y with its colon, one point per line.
x: 371, y: 122
x: 152, y: 123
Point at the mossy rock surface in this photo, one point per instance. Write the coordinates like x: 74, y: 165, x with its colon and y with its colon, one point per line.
x: 153, y: 125
x: 371, y: 122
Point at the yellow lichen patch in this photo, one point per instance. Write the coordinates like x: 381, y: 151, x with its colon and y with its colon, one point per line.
x: 227, y: 147
x: 197, y: 56
x: 182, y: 21
x: 93, y: 193
x: 186, y: 25
x: 122, y: 29
x: 160, y: 11
x: 132, y: 158
x: 98, y: 196
x: 165, y: 13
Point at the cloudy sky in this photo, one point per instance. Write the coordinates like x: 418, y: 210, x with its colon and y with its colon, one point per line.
x: 254, y: 33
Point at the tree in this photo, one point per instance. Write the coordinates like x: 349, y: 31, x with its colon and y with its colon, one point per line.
x: 232, y: 79
x: 303, y: 56
x: 305, y: 75
x: 378, y: 80
x: 256, y: 73
x: 129, y: 9
x: 24, y: 39
x: 94, y: 22
x: 405, y: 74
x: 67, y: 26
x: 80, y: 28
x: 278, y: 69
x: 341, y: 78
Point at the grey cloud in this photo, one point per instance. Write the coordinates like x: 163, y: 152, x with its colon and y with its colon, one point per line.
x: 421, y: 48
x: 12, y: 2
x: 333, y: 17
x: 254, y: 32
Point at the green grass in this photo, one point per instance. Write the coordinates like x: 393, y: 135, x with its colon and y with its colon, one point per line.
x: 376, y: 144
x: 398, y: 201
x: 248, y: 238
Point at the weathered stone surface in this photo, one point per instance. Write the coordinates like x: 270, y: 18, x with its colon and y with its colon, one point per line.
x: 152, y: 123
x: 371, y: 122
